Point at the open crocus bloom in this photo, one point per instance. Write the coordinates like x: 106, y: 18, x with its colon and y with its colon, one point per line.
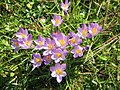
x: 58, y: 71
x: 40, y: 43
x: 49, y: 46
x: 37, y: 60
x: 57, y: 20
x: 22, y: 33
x: 77, y: 51
x: 26, y: 42
x: 47, y: 59
x: 94, y: 29
x: 61, y: 40
x: 74, y: 39
x: 65, y: 6
x: 58, y: 55
x: 83, y: 32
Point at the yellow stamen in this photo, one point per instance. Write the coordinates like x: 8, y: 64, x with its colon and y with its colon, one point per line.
x: 40, y: 43
x: 27, y: 43
x: 48, y: 58
x: 50, y: 46
x: 38, y: 60
x: 78, y: 51
x: 73, y: 40
x: 84, y: 32
x: 23, y: 35
x: 57, y: 21
x: 16, y: 43
x: 94, y: 31
x: 65, y: 6
x: 59, y: 55
x: 62, y: 42
x: 59, y: 71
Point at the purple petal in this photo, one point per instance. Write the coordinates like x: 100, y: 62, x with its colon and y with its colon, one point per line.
x: 59, y: 79
x: 63, y: 67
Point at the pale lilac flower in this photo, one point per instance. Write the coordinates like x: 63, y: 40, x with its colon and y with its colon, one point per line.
x: 65, y: 6
x: 26, y: 42
x: 74, y: 39
x: 57, y: 20
x: 58, y: 71
x: 40, y: 43
x: 37, y: 60
x: 59, y: 54
x: 49, y: 46
x: 47, y: 59
x: 55, y: 34
x: 61, y: 40
x: 83, y: 32
x: 15, y: 44
x: 77, y: 51
x: 22, y: 33
x: 94, y: 29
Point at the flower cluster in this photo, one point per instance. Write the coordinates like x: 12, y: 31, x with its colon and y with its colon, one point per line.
x: 54, y: 48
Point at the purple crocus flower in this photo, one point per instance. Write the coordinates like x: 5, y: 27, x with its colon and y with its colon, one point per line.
x: 15, y: 44
x: 65, y: 6
x: 94, y: 29
x: 83, y: 32
x: 55, y: 34
x: 49, y: 46
x: 77, y: 51
x: 61, y: 40
x: 26, y: 42
x: 58, y: 71
x: 74, y: 39
x: 22, y: 33
x: 47, y: 59
x: 59, y: 54
x: 37, y: 60
x: 57, y: 20
x: 40, y: 43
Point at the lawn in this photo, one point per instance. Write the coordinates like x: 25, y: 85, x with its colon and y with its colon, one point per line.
x: 97, y: 69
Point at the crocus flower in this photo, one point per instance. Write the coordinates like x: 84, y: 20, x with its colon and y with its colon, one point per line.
x: 58, y: 54
x: 15, y: 44
x: 58, y: 71
x: 57, y: 20
x: 83, y: 32
x: 49, y: 46
x: 77, y: 51
x: 37, y: 60
x: 47, y: 59
x: 94, y: 29
x: 65, y: 6
x: 22, y: 33
x: 55, y: 34
x: 40, y: 42
x: 74, y: 39
x: 61, y: 40
x: 26, y: 42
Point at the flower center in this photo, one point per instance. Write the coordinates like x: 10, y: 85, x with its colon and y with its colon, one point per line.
x: 59, y: 55
x: 78, y: 51
x: 48, y: 58
x: 16, y: 43
x: 57, y: 21
x: 84, y: 32
x: 59, y: 71
x: 50, y: 46
x: 38, y: 60
x: 73, y: 40
x: 65, y: 6
x: 94, y: 31
x: 40, y: 43
x: 62, y: 42
x: 23, y: 35
x: 27, y: 43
